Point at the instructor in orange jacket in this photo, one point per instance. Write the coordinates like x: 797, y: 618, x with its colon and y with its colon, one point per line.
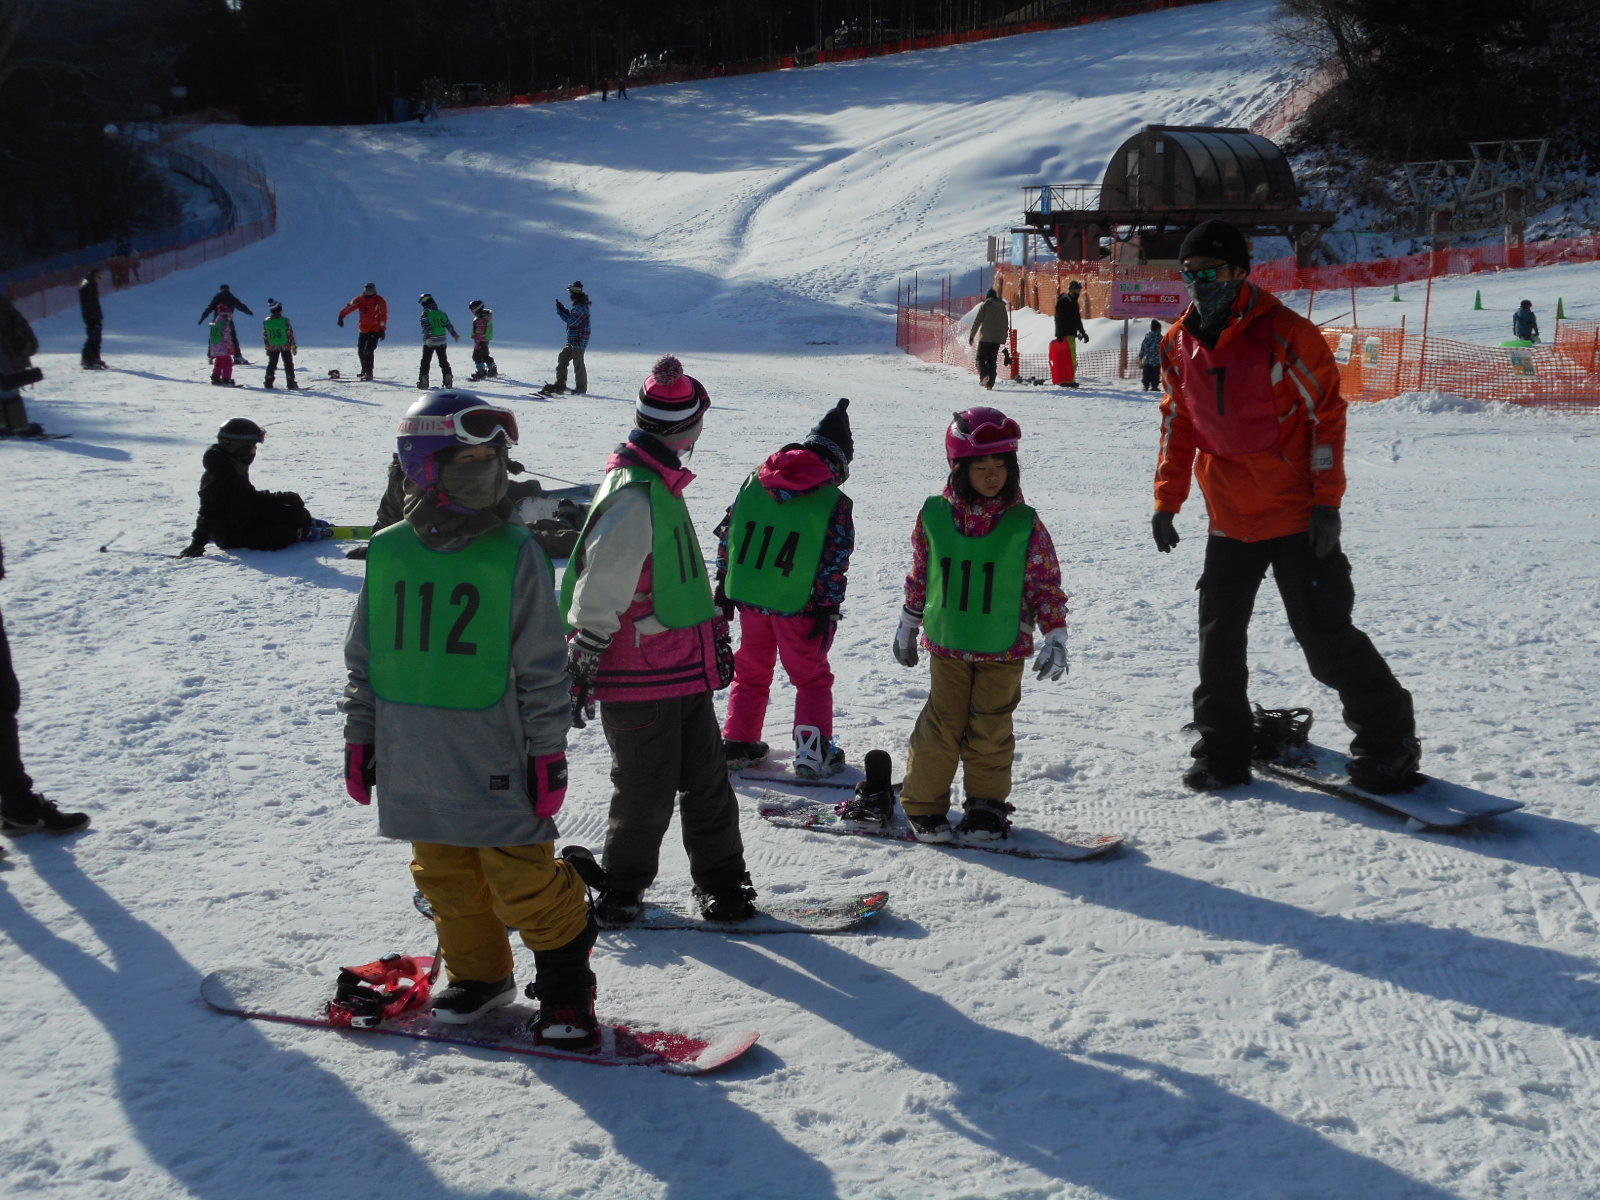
x: 1252, y: 410
x: 374, y: 310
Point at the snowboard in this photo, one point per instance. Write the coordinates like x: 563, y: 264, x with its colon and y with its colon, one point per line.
x: 1436, y: 804
x: 817, y: 816
x: 33, y: 437
x: 549, y: 389
x: 835, y: 915
x: 777, y: 770
x: 296, y: 998
x: 838, y: 914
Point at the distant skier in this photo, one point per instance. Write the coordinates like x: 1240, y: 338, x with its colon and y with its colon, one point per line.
x: 783, y: 552
x: 277, y: 335
x: 482, y: 335
x: 1524, y: 324
x: 983, y: 574
x: 577, y: 322
x: 456, y: 719
x: 435, y: 324
x: 991, y: 325
x: 233, y: 513
x: 222, y: 347
x: 93, y: 319
x: 226, y: 297
x: 1069, y: 331
x: 1150, y: 358
x: 374, y: 310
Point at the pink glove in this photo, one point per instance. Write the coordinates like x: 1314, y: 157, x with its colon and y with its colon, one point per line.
x: 360, y: 770
x: 547, y: 782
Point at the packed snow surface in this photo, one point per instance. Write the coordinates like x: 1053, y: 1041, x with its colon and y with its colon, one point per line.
x: 1267, y: 993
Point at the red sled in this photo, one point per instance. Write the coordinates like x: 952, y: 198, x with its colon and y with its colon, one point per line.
x: 1063, y: 362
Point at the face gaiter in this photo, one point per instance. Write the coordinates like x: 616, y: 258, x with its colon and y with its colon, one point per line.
x: 1213, y: 302
x: 475, y: 485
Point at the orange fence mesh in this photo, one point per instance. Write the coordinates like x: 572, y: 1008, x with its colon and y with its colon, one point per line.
x: 1374, y: 363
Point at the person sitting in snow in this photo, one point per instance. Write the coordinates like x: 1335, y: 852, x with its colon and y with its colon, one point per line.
x: 233, y: 513
x: 783, y: 551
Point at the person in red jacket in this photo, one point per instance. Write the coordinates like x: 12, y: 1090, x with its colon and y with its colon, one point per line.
x: 374, y: 310
x: 1253, y: 411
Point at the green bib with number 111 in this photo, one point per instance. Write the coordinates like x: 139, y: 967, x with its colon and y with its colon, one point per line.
x: 438, y: 624
x: 975, y: 583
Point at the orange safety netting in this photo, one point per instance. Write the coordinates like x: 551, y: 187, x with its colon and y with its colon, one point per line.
x: 1377, y: 363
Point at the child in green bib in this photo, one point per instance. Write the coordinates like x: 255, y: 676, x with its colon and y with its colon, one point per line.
x: 456, y: 723
x: 984, y: 573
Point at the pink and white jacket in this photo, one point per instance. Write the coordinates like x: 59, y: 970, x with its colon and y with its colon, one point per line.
x: 613, y: 596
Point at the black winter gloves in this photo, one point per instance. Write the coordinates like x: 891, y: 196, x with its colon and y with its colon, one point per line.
x: 1162, y: 529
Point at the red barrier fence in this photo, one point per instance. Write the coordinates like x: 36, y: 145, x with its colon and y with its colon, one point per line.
x: 1375, y: 363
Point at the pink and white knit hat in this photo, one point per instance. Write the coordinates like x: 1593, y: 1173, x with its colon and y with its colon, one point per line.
x: 670, y: 401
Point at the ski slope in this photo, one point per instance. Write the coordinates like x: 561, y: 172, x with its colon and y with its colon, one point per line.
x: 1268, y: 993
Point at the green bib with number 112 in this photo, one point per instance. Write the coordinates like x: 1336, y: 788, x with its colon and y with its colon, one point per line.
x: 438, y: 624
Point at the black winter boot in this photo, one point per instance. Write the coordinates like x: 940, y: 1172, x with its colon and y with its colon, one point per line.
x: 564, y: 986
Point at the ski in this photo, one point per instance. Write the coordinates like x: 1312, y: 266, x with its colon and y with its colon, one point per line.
x: 298, y: 998
x: 835, y: 915
x: 1434, y: 804
x: 816, y: 816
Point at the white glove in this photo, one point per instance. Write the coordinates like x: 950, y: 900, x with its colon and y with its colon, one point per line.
x: 1052, y: 660
x: 905, y: 638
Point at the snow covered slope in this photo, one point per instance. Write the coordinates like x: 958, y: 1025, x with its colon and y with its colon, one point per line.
x: 1270, y: 993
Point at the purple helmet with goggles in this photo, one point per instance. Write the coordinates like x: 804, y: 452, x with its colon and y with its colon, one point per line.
x: 978, y: 432
x: 445, y: 418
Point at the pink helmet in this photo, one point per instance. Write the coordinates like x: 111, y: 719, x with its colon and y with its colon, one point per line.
x: 978, y: 432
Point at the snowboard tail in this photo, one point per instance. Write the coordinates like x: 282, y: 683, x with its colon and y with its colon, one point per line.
x: 287, y: 997
x: 1434, y: 804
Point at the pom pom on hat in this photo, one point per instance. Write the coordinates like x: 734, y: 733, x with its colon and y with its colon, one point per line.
x: 670, y: 401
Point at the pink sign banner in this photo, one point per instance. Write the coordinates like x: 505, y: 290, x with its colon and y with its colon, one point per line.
x: 1148, y: 298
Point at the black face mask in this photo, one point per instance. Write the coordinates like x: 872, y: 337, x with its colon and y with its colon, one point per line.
x: 240, y: 452
x: 1213, y: 302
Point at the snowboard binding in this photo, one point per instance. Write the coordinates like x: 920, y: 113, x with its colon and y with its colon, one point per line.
x: 1281, y: 734
x: 376, y: 992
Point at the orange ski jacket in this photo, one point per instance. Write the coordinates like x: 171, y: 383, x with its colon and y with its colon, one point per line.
x: 1258, y: 420
x: 374, y: 313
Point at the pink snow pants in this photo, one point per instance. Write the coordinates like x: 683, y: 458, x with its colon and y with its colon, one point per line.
x: 764, y: 638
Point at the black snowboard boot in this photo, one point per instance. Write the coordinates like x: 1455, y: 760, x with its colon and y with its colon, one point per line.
x: 34, y: 814
x: 743, y: 754
x: 873, y: 803
x: 985, y: 820
x: 564, y: 986
x: 1388, y: 770
x: 734, y: 901
x: 468, y: 999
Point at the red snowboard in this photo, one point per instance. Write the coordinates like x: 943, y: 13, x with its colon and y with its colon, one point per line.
x: 1063, y: 362
x: 295, y: 998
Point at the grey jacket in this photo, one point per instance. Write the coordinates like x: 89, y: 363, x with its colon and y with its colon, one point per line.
x: 459, y: 776
x: 991, y: 323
